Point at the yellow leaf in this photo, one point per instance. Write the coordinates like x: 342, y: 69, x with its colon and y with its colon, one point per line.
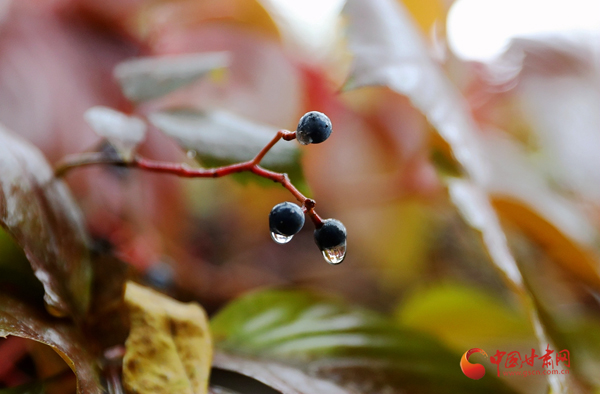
x: 577, y: 258
x: 169, y: 348
x: 463, y: 316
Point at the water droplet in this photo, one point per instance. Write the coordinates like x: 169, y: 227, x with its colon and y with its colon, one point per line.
x: 335, y: 255
x: 191, y: 153
x: 280, y: 238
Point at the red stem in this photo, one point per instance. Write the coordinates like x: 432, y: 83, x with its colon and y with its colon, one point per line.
x: 183, y: 170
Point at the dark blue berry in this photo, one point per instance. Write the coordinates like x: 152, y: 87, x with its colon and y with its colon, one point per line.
x: 286, y: 219
x: 314, y: 127
x: 332, y: 234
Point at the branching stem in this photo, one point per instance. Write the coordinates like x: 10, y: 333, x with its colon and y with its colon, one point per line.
x: 183, y: 170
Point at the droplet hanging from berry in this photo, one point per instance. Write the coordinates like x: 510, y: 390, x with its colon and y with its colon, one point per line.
x: 336, y: 255
x: 280, y: 238
x: 285, y: 220
x: 331, y: 240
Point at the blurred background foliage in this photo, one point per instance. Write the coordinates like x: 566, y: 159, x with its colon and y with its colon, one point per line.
x: 384, y: 172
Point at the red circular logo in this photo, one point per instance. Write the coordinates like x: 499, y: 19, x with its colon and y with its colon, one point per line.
x: 473, y: 371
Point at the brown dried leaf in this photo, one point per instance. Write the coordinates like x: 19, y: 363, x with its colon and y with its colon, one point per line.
x: 169, y: 348
x: 39, y: 212
x: 23, y: 321
x: 107, y: 319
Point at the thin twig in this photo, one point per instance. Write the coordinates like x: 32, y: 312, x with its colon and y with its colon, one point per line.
x: 69, y: 162
x: 183, y: 170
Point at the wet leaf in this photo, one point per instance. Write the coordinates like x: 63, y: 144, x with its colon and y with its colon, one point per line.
x: 169, y: 349
x: 388, y: 50
x: 153, y: 77
x: 39, y: 212
x: 23, y: 321
x: 475, y: 207
x: 354, y: 348
x: 219, y: 137
x: 523, y: 195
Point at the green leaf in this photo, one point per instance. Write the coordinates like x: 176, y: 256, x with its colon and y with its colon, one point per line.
x: 24, y: 321
x: 219, y: 138
x: 355, y: 348
x: 40, y: 213
x: 149, y: 78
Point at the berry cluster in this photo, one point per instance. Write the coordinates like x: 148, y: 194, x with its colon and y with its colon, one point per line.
x: 287, y: 219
